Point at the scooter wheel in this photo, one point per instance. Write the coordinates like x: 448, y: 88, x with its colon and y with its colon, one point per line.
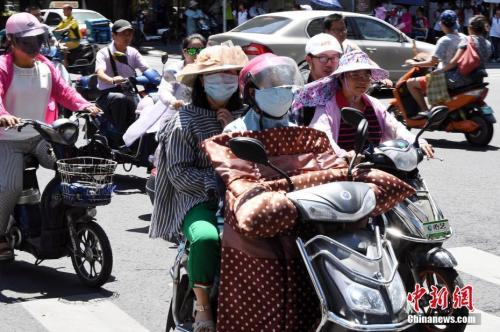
x: 94, y: 260
x: 442, y: 277
x: 483, y: 136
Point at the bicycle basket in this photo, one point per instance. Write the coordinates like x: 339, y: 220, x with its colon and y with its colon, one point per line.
x: 86, y: 181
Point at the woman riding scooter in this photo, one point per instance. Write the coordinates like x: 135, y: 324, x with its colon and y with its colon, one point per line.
x: 30, y: 87
x: 186, y: 200
x: 353, y: 77
x: 261, y: 266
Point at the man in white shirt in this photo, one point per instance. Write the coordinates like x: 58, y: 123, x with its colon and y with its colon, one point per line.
x: 495, y: 35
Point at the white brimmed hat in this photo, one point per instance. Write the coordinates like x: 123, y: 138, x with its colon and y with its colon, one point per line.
x: 358, y: 60
x: 323, y: 42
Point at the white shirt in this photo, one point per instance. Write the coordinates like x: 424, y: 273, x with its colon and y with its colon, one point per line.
x: 27, y: 97
x: 495, y: 27
x: 242, y: 17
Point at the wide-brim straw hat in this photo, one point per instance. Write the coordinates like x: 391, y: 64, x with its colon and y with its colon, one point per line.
x: 214, y: 59
x: 358, y: 60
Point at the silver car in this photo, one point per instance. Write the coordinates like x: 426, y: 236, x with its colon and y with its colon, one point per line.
x: 286, y: 33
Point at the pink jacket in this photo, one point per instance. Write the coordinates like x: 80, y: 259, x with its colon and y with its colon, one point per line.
x: 61, y: 92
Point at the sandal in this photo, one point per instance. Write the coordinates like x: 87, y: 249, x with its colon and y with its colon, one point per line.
x: 203, y: 325
x: 6, y: 252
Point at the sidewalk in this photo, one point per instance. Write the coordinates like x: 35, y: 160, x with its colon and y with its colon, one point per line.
x: 157, y: 48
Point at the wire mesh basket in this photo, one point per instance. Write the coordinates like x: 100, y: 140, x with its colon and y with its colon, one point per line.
x: 86, y: 181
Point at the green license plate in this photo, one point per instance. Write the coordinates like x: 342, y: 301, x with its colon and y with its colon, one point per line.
x: 437, y: 229
x: 486, y: 110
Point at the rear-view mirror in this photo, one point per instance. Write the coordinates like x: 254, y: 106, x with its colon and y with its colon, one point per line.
x: 352, y: 116
x: 249, y: 149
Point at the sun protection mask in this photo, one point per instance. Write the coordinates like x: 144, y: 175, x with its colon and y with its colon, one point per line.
x: 220, y: 86
x: 31, y: 45
x: 274, y: 101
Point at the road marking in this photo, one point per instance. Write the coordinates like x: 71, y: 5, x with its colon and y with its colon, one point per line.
x: 477, y: 263
x: 58, y: 315
x: 489, y: 323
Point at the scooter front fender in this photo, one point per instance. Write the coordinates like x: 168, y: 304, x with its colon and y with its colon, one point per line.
x: 436, y: 256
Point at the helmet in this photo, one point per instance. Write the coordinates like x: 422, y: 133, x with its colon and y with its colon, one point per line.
x: 269, y: 71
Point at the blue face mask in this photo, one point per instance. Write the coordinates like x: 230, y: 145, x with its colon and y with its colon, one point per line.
x: 274, y: 101
x: 221, y: 86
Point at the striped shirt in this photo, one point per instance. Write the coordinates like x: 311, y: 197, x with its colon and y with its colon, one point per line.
x: 185, y: 175
x: 347, y: 133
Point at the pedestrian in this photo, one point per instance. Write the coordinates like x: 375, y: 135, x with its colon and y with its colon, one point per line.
x: 256, y: 9
x: 323, y: 52
x: 193, y: 13
x: 116, y: 100
x: 380, y: 10
x: 405, y: 23
x: 242, y: 13
x: 468, y: 13
x: 30, y: 87
x: 495, y: 35
x: 421, y: 27
x: 186, y: 201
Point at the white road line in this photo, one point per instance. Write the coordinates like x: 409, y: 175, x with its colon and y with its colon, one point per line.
x: 58, y: 315
x: 477, y: 263
x: 489, y: 323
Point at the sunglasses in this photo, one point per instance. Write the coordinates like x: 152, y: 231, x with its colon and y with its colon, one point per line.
x: 192, y: 51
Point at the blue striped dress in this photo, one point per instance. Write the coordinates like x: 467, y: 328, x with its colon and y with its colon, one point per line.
x: 185, y: 175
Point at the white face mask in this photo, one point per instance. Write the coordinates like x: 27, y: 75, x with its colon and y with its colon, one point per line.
x: 274, y: 101
x: 220, y: 86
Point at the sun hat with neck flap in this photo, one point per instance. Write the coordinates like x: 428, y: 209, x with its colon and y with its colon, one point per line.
x: 358, y: 60
x: 214, y: 59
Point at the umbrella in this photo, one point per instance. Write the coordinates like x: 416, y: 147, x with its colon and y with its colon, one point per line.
x: 321, y: 4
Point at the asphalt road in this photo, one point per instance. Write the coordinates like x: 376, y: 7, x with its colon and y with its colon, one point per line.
x: 49, y: 297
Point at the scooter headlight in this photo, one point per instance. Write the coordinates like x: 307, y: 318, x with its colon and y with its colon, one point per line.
x: 397, y: 293
x: 362, y: 298
x: 359, y: 297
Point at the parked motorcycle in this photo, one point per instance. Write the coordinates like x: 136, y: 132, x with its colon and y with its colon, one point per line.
x: 61, y: 221
x: 354, y: 272
x: 416, y: 227
x: 468, y: 112
x: 98, y: 130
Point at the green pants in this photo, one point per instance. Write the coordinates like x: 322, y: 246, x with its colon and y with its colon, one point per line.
x: 200, y: 229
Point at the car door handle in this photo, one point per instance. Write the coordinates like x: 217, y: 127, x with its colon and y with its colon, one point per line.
x: 371, y: 49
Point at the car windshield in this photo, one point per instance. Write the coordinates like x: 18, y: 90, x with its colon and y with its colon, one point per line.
x: 263, y: 25
x: 82, y: 16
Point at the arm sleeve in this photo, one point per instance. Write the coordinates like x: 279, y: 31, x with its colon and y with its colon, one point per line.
x: 321, y: 122
x: 181, y: 153
x: 139, y: 61
x: 166, y: 92
x: 100, y: 60
x: 440, y: 51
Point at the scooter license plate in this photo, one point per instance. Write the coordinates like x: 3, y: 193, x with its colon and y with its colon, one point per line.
x: 486, y: 110
x: 437, y: 229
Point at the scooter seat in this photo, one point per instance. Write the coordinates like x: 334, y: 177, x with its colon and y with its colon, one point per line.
x: 30, y: 161
x: 462, y: 89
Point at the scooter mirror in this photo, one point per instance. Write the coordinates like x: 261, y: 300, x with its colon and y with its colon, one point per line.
x: 164, y: 58
x: 361, y: 135
x: 249, y: 149
x: 437, y: 115
x: 352, y: 116
x: 120, y: 57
